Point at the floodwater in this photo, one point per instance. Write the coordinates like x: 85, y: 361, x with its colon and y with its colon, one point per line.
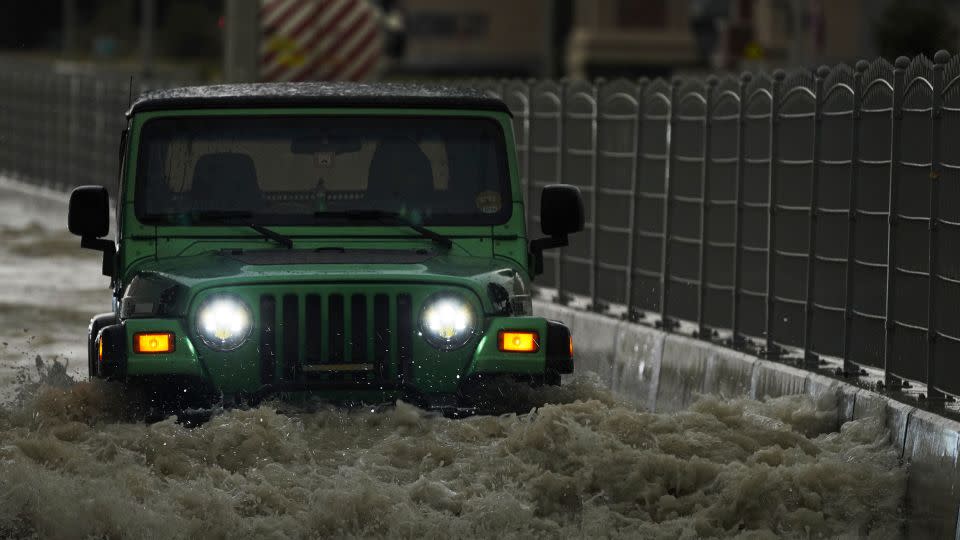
x: 582, y: 463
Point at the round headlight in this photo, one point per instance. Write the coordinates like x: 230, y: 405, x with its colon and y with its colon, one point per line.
x: 224, y: 322
x: 447, y: 321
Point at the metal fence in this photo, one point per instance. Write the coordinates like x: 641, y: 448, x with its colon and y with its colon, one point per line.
x: 810, y: 211
x: 802, y: 211
x: 60, y: 123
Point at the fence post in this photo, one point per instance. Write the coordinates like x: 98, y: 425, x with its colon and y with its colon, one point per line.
x: 5, y: 123
x: 665, y: 322
x: 35, y: 106
x: 21, y: 135
x: 527, y: 154
x: 4, y: 128
x: 74, y: 125
x: 771, y: 350
x: 17, y: 136
x: 940, y: 60
x: 848, y: 366
x: 822, y: 73
x: 735, y: 340
x: 594, y: 192
x: 896, y: 121
x: 711, y: 84
x: 562, y: 297
x: 633, y: 313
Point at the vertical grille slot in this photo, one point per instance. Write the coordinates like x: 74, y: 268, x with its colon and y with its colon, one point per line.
x: 358, y: 328
x: 268, y: 336
x: 291, y: 336
x: 335, y: 318
x: 381, y: 334
x: 313, y: 330
x: 404, y: 335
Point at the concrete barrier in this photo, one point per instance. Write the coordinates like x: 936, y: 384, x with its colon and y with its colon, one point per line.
x: 665, y: 372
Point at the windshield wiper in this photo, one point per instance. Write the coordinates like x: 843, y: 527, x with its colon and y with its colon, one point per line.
x: 284, y: 241
x: 382, y: 216
x: 228, y: 216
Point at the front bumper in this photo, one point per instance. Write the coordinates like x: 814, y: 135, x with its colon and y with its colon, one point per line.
x: 247, y: 371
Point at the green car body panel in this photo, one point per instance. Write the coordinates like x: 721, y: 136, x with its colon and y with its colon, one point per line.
x: 378, y: 278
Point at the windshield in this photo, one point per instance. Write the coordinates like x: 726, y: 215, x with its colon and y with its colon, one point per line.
x: 314, y: 170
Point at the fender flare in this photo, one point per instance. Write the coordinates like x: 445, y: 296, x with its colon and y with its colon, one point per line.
x: 558, y: 349
x: 97, y: 323
x: 113, y: 366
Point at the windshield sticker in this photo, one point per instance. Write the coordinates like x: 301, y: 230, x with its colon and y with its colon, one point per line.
x: 323, y: 159
x: 488, y: 202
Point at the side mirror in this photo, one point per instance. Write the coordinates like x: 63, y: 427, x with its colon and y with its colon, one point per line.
x: 89, y: 215
x: 561, y: 214
x: 89, y: 218
x: 561, y: 210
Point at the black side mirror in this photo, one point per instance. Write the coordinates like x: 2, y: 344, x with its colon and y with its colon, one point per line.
x: 89, y: 212
x: 561, y: 214
x: 89, y: 218
x: 561, y: 210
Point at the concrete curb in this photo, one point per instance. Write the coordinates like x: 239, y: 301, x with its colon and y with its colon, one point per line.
x: 665, y: 372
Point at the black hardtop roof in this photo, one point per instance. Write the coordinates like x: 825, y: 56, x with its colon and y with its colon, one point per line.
x: 317, y: 94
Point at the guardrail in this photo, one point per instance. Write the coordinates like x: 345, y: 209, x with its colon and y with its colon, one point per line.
x: 810, y: 211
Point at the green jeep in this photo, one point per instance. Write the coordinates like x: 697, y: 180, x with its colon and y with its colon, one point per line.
x: 360, y: 243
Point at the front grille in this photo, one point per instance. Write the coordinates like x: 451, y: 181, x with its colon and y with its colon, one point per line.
x: 339, y: 338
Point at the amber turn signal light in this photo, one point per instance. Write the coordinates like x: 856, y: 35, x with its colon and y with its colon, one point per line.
x: 153, y: 342
x: 519, y: 341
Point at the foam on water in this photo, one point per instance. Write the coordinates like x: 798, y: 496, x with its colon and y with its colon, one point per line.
x: 72, y: 465
x: 75, y: 462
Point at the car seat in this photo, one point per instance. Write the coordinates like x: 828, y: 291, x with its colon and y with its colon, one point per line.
x: 226, y: 181
x: 400, y: 172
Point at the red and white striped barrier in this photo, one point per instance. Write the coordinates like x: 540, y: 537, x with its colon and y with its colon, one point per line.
x: 332, y: 40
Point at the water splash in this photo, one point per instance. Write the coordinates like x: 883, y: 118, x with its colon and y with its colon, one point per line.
x: 585, y: 465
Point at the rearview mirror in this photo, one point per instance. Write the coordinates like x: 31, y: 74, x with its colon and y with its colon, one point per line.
x: 89, y: 215
x: 338, y: 144
x: 561, y: 214
x: 89, y: 218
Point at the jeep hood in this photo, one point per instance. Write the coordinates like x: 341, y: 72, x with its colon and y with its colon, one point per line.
x: 173, y: 281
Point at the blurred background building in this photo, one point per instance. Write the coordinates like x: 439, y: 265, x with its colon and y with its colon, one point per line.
x: 399, y: 39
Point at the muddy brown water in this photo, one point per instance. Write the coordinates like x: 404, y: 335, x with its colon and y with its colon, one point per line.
x: 582, y: 463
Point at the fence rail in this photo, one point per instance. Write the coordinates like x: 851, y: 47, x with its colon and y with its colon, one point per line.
x: 801, y: 211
